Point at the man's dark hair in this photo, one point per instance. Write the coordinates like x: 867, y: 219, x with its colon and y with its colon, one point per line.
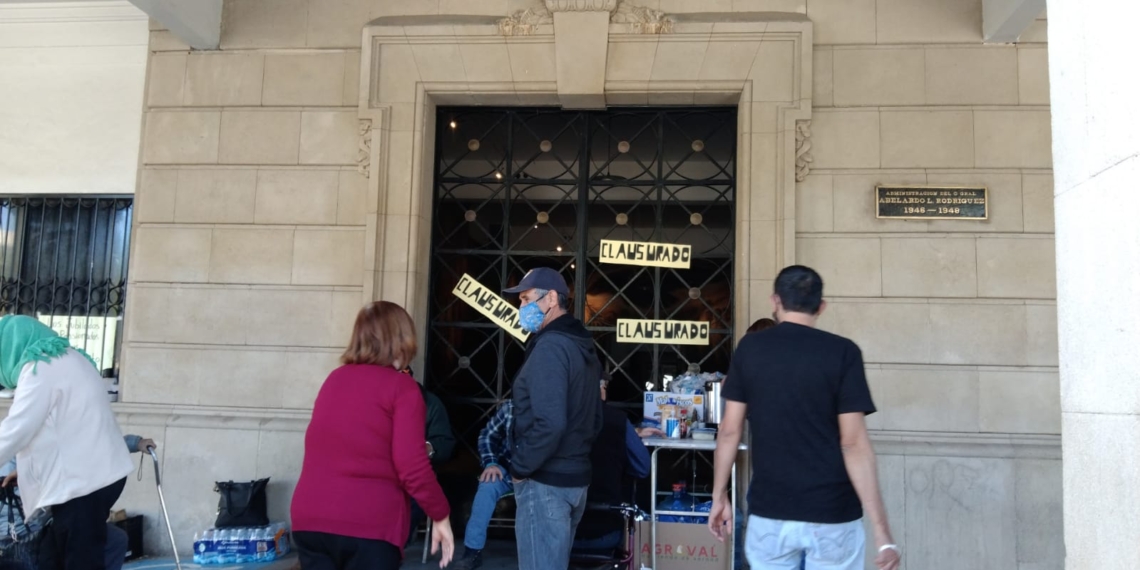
x: 563, y: 300
x: 800, y: 289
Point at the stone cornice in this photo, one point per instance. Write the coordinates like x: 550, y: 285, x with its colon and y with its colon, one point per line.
x: 581, y: 5
x: 640, y: 19
x: 65, y: 12
x: 206, y: 417
x: 253, y: 419
x: 942, y: 444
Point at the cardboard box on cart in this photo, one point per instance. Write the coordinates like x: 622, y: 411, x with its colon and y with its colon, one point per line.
x: 682, y: 546
x: 653, y: 401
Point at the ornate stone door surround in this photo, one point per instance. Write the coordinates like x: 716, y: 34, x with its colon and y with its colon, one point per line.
x: 582, y: 54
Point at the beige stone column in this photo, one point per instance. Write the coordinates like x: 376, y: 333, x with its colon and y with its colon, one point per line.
x: 1096, y: 154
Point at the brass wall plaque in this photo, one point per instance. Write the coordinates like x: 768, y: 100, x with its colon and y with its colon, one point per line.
x: 932, y: 203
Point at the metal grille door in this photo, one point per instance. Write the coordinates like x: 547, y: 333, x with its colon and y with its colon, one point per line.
x: 522, y: 188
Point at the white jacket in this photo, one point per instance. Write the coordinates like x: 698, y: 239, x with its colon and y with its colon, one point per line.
x: 63, y: 433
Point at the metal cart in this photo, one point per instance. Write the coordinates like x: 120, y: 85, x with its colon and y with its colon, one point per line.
x: 693, y: 445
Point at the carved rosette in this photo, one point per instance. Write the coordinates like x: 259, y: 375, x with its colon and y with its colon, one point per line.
x: 803, y: 150
x: 364, y: 147
x: 642, y: 20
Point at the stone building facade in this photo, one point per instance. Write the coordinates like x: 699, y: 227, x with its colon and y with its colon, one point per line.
x: 285, y: 180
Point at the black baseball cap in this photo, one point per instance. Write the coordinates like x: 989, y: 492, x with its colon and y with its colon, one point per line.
x: 541, y: 278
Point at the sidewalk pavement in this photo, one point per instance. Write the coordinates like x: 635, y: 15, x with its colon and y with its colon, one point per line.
x: 498, y: 555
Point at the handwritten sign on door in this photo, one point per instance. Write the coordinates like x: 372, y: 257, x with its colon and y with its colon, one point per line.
x: 646, y: 254
x: 491, y: 305
x: 663, y: 332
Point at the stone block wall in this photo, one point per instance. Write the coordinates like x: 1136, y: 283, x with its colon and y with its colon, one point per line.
x: 248, y: 265
x: 910, y: 96
x: 957, y: 319
x: 250, y: 227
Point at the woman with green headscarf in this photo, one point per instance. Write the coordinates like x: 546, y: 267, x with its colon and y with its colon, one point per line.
x: 64, y: 436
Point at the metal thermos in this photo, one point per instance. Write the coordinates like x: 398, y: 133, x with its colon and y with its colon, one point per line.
x: 714, y: 403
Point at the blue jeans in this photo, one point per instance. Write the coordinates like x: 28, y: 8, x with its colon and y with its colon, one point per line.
x: 115, y: 552
x: 545, y: 522
x: 486, y: 498
x: 791, y: 545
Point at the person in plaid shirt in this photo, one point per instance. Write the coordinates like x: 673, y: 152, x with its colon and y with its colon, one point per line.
x: 495, y: 455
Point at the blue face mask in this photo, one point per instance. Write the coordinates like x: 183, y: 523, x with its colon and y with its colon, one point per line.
x: 531, y: 317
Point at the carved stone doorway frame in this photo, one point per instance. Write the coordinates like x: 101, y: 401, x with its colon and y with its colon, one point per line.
x: 410, y: 65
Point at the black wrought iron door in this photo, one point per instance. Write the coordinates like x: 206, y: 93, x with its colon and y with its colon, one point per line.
x: 522, y: 188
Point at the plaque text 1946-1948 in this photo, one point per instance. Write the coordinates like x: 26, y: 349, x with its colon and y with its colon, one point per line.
x: 931, y: 203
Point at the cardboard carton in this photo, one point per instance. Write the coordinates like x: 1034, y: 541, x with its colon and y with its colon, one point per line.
x: 682, y: 546
x: 653, y: 401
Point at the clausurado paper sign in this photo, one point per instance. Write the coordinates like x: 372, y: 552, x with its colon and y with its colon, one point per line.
x: 491, y: 305
x: 646, y: 254
x: 662, y: 332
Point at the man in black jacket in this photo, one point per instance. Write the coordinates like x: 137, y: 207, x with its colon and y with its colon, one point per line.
x: 558, y: 414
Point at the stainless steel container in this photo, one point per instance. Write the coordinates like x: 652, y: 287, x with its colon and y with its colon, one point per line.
x: 714, y: 403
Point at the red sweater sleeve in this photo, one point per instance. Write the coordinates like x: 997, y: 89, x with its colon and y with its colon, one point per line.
x: 409, y: 453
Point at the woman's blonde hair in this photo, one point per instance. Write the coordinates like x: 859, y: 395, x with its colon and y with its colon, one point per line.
x: 383, y: 335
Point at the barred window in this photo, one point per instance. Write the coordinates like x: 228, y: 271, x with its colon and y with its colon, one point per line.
x: 63, y: 260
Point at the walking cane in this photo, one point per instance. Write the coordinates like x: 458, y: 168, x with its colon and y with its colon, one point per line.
x: 162, y: 501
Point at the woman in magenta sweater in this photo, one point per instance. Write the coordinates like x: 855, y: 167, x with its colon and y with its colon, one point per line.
x: 365, y: 454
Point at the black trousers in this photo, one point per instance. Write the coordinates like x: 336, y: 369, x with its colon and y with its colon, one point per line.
x: 324, y: 551
x: 77, y: 535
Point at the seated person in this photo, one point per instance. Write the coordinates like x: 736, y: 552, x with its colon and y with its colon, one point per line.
x: 438, y: 438
x: 495, y: 455
x: 618, y: 454
x: 437, y: 427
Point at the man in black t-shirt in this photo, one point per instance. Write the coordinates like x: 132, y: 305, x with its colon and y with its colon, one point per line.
x: 805, y: 396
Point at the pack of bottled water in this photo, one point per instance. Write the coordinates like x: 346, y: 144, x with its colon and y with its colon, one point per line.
x: 681, y: 501
x: 241, y: 545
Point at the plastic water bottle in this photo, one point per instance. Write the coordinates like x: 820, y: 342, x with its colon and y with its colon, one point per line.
x: 257, y: 552
x: 209, y: 546
x: 251, y: 544
x: 216, y: 555
x: 243, y: 536
x: 676, y: 503
x: 235, y: 546
x: 266, y: 551
x: 225, y: 536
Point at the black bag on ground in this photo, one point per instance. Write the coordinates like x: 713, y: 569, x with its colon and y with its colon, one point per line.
x: 242, y: 504
x: 19, y: 545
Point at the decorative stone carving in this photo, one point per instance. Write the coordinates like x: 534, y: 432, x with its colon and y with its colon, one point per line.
x: 364, y: 147
x: 642, y: 20
x: 524, y: 22
x: 803, y: 150
x: 581, y: 5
